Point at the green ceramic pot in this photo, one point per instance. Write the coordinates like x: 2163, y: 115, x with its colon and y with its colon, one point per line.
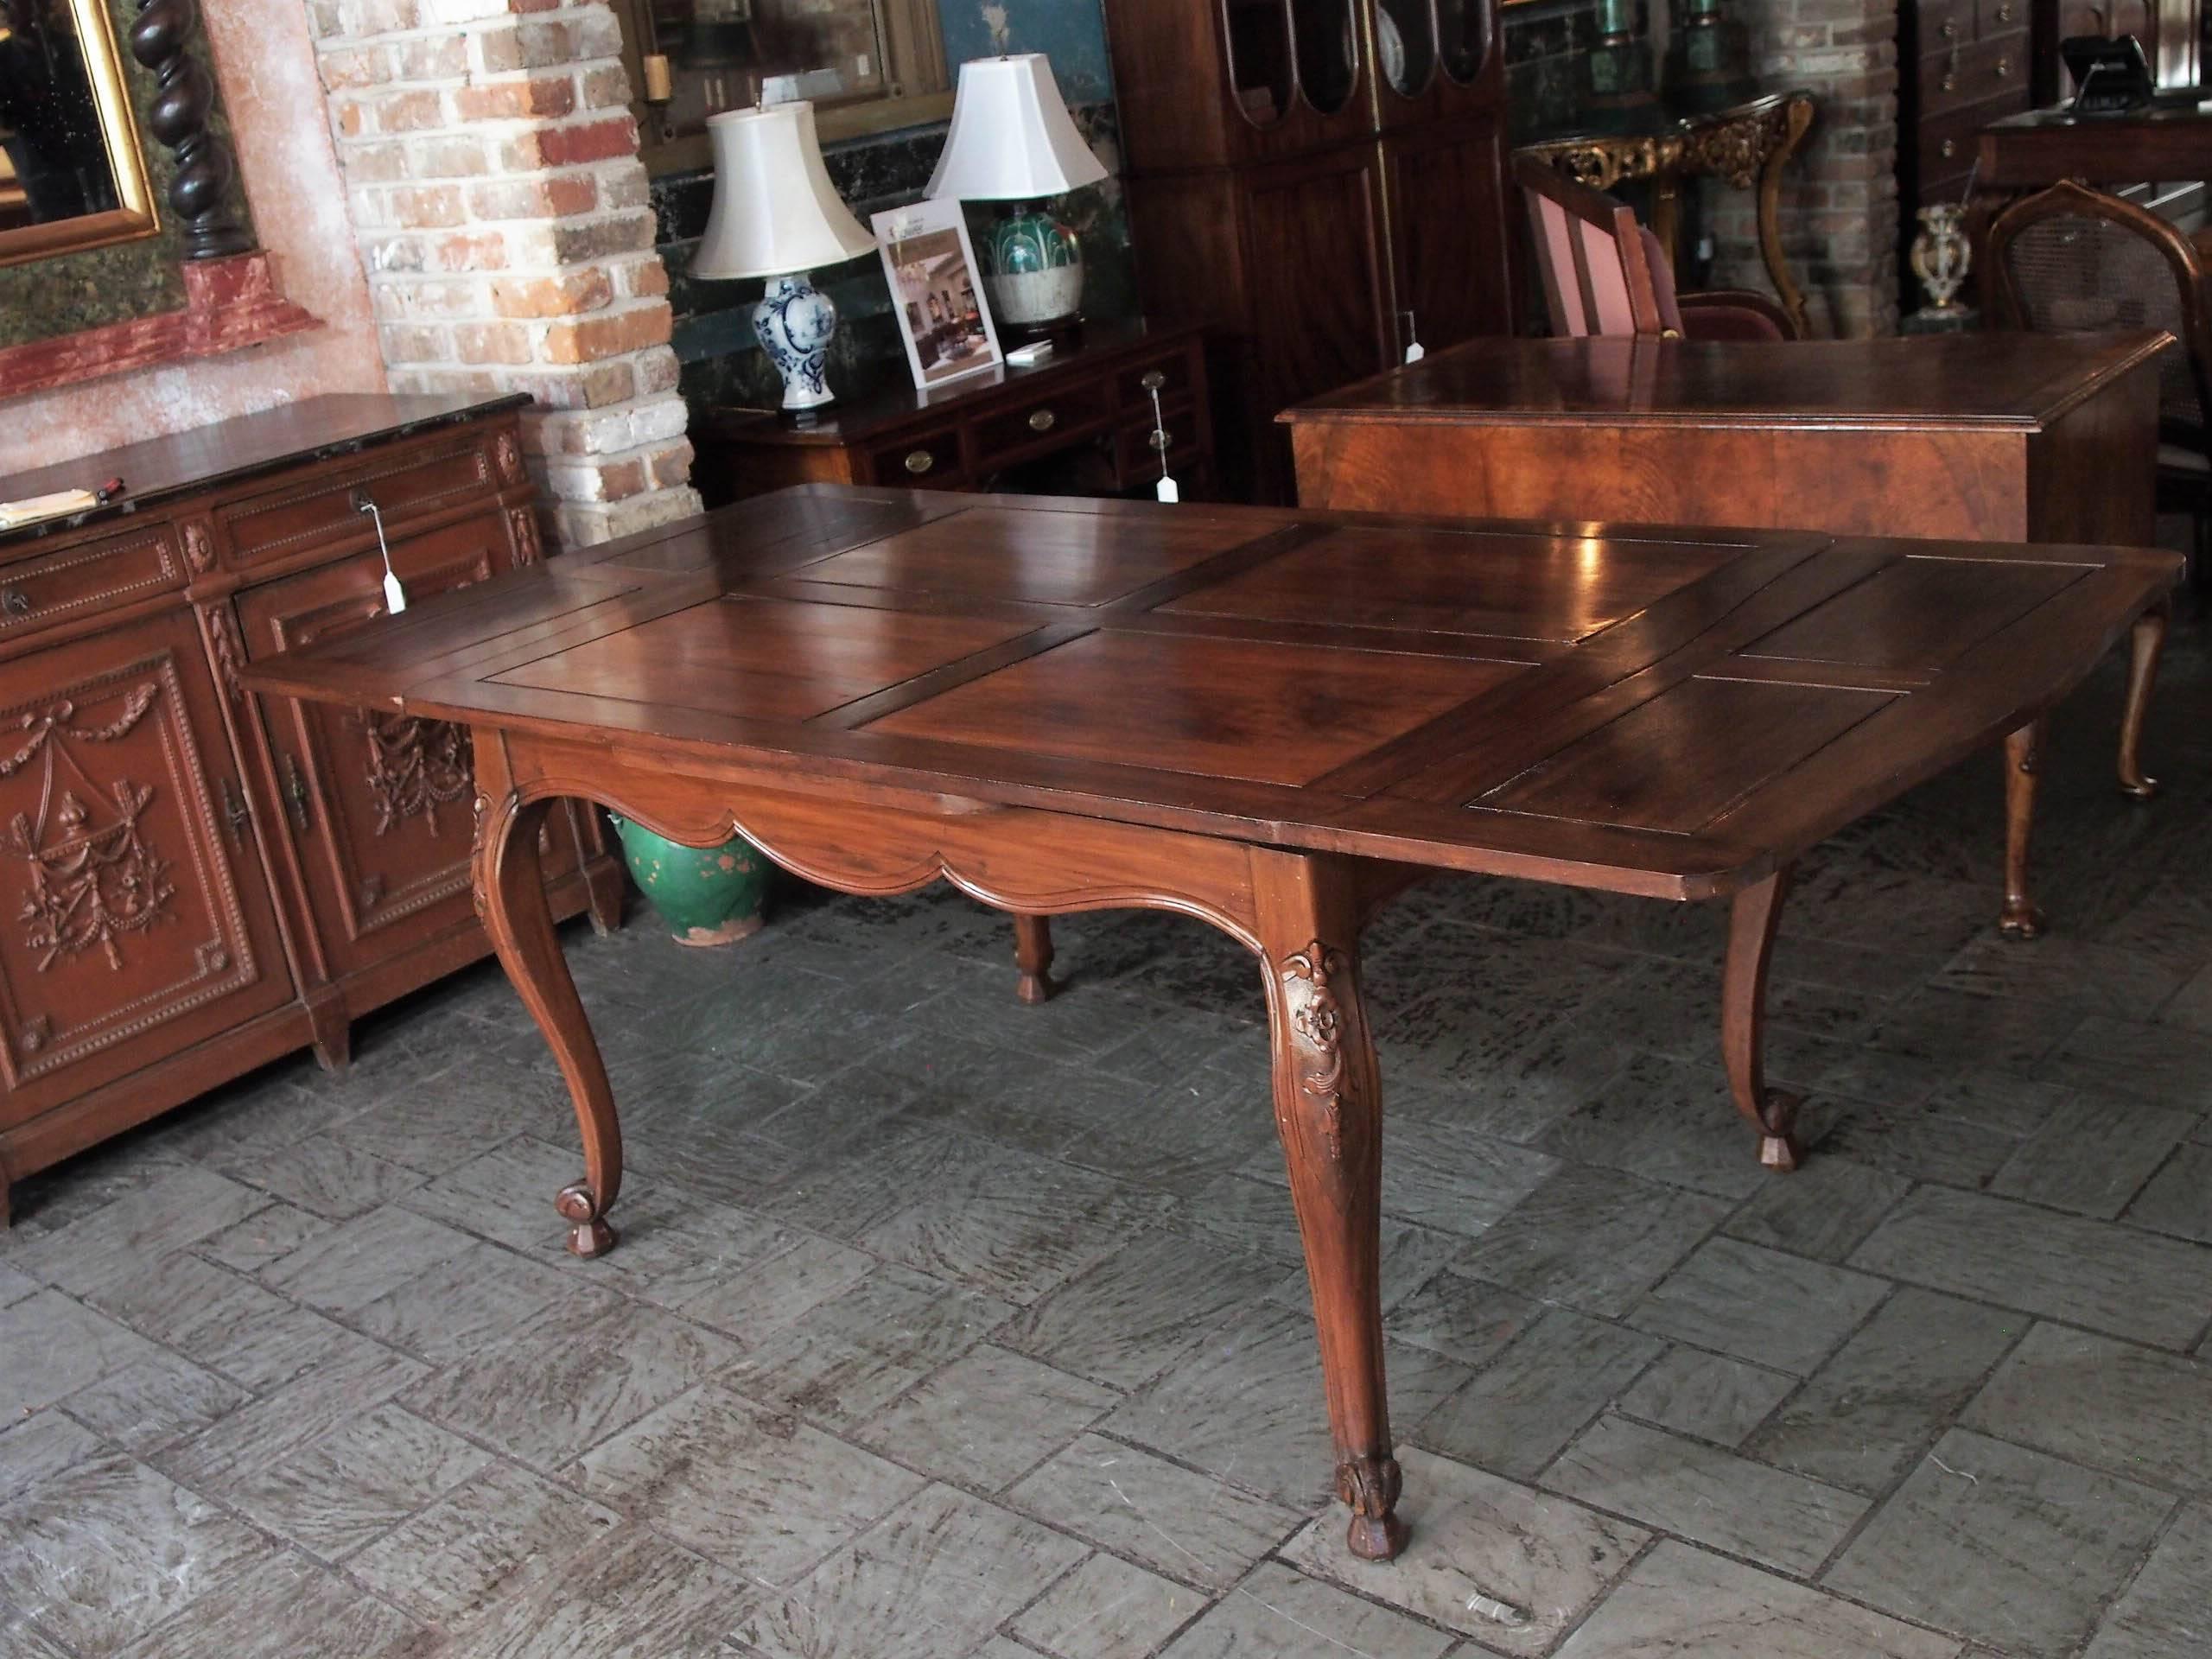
x: 706, y: 895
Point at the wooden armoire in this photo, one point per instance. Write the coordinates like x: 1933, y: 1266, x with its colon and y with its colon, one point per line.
x: 1323, y: 182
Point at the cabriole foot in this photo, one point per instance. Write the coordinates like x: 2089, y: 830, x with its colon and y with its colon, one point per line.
x: 1369, y: 1486
x: 590, y: 1236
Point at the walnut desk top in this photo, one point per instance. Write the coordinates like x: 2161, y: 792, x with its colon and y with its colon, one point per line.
x: 1270, y: 720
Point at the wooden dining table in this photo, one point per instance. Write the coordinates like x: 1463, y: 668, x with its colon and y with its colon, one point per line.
x: 1273, y: 721
x: 1990, y: 436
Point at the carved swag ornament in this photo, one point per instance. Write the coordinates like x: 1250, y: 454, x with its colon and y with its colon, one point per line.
x: 416, y: 766
x: 94, y: 877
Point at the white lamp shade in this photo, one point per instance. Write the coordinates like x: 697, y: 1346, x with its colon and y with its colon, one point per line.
x: 1012, y: 138
x: 775, y: 210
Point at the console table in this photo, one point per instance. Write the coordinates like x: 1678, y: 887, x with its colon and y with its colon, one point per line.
x: 195, y: 879
x: 1082, y: 418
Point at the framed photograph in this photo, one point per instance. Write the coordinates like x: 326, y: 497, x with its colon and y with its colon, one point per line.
x: 932, y: 269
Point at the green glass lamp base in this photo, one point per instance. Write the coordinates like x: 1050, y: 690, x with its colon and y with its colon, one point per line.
x: 1033, y: 269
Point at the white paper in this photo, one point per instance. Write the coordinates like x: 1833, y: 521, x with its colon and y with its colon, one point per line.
x: 394, y: 596
x: 1166, y: 489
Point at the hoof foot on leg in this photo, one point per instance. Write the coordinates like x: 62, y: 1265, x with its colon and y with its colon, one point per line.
x: 590, y: 1236
x: 2139, y: 788
x: 1778, y: 1147
x: 1370, y: 1486
x: 2019, y: 920
x: 1033, y: 988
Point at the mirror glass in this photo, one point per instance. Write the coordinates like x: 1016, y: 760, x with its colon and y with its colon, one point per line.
x: 1328, y: 54
x: 71, y: 175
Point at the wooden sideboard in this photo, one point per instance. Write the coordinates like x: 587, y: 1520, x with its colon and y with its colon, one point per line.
x: 1081, y: 417
x: 195, y: 879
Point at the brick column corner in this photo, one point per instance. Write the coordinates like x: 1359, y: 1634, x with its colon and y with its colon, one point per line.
x: 491, y: 169
x: 1840, y: 199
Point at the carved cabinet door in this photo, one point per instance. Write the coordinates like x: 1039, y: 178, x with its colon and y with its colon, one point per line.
x: 378, y: 805
x: 134, y: 919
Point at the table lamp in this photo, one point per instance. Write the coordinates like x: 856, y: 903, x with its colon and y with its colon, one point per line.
x: 776, y: 214
x: 1012, y: 142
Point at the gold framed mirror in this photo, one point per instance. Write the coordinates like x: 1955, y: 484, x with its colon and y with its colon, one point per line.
x: 72, y: 175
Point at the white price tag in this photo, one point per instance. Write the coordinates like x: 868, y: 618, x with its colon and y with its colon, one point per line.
x: 394, y: 596
x: 1416, y: 351
x: 1166, y: 489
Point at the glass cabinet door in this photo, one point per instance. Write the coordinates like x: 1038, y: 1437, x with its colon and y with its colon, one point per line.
x: 1328, y: 52
x: 1405, y: 45
x: 1462, y: 37
x: 1259, y: 57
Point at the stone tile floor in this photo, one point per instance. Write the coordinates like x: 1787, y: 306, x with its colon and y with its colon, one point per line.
x: 946, y: 1327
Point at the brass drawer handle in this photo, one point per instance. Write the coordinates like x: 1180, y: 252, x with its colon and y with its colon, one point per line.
x: 2004, y: 14
x: 295, y: 789
x: 1153, y: 379
x: 919, y: 462
x: 1949, y: 31
x: 1950, y: 148
x: 2004, y: 68
x: 14, y: 601
x: 1158, y: 440
x: 235, y: 812
x: 1043, y: 420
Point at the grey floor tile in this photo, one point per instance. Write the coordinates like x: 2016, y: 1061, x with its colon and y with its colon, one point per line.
x: 1707, y: 1496
x: 1521, y: 1409
x: 987, y: 1418
x: 629, y: 1592
x: 14, y: 1286
x: 1665, y: 1121
x: 1477, y: 1535
x: 1277, y: 1610
x: 1440, y: 1176
x: 1594, y: 1239
x: 34, y: 1449
x: 1463, y: 1318
x: 495, y: 1537
x: 1126, y: 1319
x: 1709, y: 1395
x: 506, y: 1195
x: 1412, y: 1257
x: 858, y: 1351
x: 2166, y: 1065
x: 1177, y: 1523
x: 1761, y: 1304
x: 1680, y: 1600
x: 281, y: 1607
x: 2003, y: 1545
x: 1108, y: 1608
x: 263, y: 1239
x: 55, y: 1347
x: 936, y: 1576
x: 2127, y: 1410
x: 2094, y: 1155
x: 2091, y: 1273
x: 20, y: 1640
x: 757, y: 1491
x: 342, y: 1384
x: 179, y: 1207
x: 337, y: 1493
x: 2178, y: 1198
x: 104, y: 1551
x: 1824, y: 1210
x: 159, y: 1400
x: 779, y: 1290
x: 574, y: 1379
x: 1874, y: 1408
x: 329, y: 1177
x: 1250, y: 1406
x: 2162, y: 1614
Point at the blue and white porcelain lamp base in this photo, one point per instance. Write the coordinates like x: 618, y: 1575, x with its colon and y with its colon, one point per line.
x: 794, y: 321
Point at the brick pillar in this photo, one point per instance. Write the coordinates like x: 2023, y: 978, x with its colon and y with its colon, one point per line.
x: 1840, y: 205
x: 492, y: 168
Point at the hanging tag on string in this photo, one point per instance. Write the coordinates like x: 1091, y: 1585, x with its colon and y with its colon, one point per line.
x: 1166, y: 489
x: 394, y: 596
x: 1414, y: 350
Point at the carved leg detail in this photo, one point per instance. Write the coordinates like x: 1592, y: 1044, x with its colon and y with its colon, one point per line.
x: 1329, y: 1113
x: 2147, y: 644
x: 1753, y: 919
x: 511, y: 898
x: 332, y: 1033
x: 1032, y: 954
x: 2020, y: 919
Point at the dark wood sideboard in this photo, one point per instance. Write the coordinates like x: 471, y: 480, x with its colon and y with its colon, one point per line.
x: 195, y: 879
x: 1081, y: 420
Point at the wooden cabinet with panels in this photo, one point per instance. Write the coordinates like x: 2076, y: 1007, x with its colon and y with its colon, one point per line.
x: 195, y: 879
x: 1321, y: 180
x: 1961, y: 64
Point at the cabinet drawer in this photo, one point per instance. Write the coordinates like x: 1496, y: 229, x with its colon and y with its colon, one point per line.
x: 1952, y: 79
x: 87, y: 576
x: 1169, y: 375
x: 1946, y: 144
x: 1042, y: 422
x: 431, y: 477
x: 1945, y: 24
x: 930, y: 460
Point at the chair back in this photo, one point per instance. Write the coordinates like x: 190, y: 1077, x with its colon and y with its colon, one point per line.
x: 2074, y: 260
x: 1599, y: 278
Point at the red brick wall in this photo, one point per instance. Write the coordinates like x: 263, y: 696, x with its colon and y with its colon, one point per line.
x: 492, y: 172
x: 1840, y: 205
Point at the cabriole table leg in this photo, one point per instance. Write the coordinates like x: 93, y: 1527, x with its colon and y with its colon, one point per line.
x: 1753, y: 919
x: 2020, y: 919
x: 1329, y: 1113
x: 511, y: 899
x: 2147, y: 645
